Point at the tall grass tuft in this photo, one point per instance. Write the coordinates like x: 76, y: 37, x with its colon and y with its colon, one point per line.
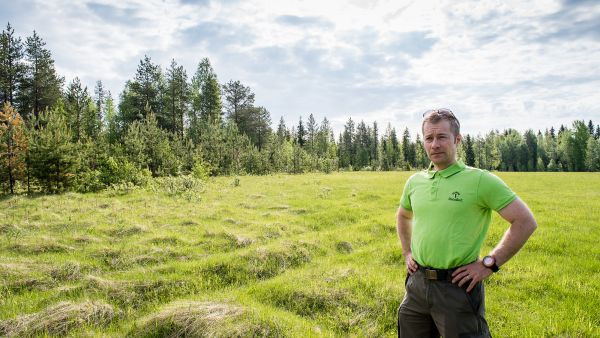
x: 59, y: 319
x: 204, y: 319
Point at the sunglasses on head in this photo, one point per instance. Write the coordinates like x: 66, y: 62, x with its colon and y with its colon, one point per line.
x: 441, y: 111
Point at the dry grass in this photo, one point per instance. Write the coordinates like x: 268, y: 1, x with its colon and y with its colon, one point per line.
x: 58, y: 319
x: 44, y: 245
x: 203, y: 319
x: 136, y: 294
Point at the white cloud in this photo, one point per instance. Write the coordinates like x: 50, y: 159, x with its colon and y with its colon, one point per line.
x: 499, y: 64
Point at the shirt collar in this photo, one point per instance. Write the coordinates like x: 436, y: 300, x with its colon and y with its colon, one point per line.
x: 456, y: 167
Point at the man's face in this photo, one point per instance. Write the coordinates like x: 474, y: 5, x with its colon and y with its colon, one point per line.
x: 440, y: 144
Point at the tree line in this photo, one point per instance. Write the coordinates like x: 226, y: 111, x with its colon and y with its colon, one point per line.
x: 168, y: 124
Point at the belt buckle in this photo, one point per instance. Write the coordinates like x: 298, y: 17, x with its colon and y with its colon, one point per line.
x: 431, y: 274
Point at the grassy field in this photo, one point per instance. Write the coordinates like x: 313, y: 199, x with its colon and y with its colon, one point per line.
x: 308, y: 255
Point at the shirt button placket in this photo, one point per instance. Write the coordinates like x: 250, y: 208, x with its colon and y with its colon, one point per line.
x: 434, y: 187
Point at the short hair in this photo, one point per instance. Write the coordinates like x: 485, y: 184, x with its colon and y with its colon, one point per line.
x: 437, y: 115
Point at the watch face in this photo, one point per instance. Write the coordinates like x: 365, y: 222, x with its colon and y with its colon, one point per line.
x: 488, y: 261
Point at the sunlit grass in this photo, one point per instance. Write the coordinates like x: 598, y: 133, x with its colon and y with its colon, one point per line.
x: 306, y: 255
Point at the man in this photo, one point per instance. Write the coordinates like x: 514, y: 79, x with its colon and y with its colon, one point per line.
x: 442, y: 221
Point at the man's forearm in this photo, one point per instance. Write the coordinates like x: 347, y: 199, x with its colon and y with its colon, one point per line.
x: 513, y: 240
x: 404, y: 230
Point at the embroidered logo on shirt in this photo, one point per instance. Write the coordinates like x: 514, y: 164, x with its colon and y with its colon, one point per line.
x: 455, y: 196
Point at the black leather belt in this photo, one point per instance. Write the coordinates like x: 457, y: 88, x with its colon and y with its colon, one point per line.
x: 437, y: 274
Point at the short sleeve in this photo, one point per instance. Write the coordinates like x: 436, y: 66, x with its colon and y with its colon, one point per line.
x: 493, y: 193
x: 405, y: 201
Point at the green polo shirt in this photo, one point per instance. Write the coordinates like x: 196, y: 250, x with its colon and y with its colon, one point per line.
x: 452, y: 211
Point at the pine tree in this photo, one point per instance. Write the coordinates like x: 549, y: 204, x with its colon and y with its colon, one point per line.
x: 147, y: 145
x: 13, y: 146
x: 177, y: 97
x: 237, y: 97
x: 591, y: 127
x: 41, y: 86
x: 52, y: 155
x: 12, y: 68
x: 143, y: 94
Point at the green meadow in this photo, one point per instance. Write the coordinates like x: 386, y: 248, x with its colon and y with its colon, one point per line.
x: 284, y: 256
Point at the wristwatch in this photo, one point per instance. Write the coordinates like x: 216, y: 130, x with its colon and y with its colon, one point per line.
x: 490, y: 263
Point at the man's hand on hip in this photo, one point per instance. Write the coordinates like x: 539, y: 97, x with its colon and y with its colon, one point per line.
x: 472, y: 273
x: 411, y: 265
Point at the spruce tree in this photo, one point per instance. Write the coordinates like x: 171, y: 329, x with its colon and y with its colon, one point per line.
x: 77, y: 100
x: 531, y: 148
x: 110, y: 123
x: 301, y: 133
x: 408, y: 149
x: 282, y: 132
x: 421, y: 159
x: 469, y: 152
x: 211, y: 107
x: 374, y: 146
x: 205, y: 99
x: 362, y: 146
x: 100, y: 96
x: 347, y: 149
x: 311, y: 133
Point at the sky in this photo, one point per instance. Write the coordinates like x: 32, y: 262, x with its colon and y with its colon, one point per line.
x: 496, y: 64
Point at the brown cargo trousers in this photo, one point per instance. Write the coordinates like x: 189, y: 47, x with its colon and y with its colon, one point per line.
x: 438, y: 307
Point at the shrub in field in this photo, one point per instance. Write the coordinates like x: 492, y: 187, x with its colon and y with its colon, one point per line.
x: 59, y: 319
x: 186, y: 186
x: 88, y: 181
x: 205, y: 319
x: 200, y: 171
x: 119, y: 170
